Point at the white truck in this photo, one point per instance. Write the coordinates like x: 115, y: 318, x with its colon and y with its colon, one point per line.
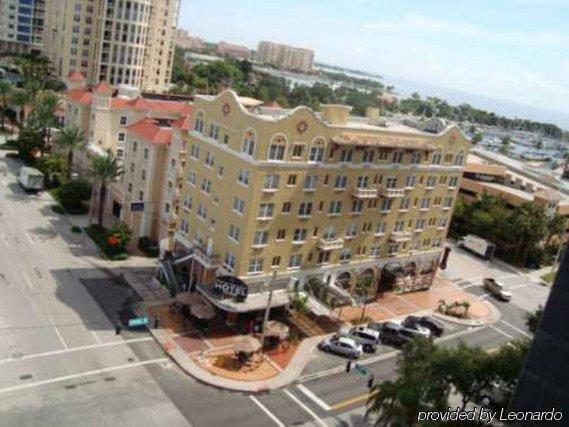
x: 31, y: 179
x: 477, y: 245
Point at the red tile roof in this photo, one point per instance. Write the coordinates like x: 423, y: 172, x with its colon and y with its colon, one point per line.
x: 103, y: 87
x: 75, y: 76
x: 184, y: 122
x: 80, y: 95
x: 155, y: 131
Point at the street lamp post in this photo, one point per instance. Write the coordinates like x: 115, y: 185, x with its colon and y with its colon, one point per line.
x: 268, y: 308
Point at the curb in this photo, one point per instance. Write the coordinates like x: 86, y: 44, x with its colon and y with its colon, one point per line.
x: 287, y: 376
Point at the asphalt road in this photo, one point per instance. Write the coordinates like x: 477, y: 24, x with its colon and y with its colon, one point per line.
x: 61, y: 363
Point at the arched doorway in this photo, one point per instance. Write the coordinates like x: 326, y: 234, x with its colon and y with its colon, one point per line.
x: 389, y: 276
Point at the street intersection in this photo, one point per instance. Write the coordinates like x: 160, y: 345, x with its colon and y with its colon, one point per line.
x: 61, y: 363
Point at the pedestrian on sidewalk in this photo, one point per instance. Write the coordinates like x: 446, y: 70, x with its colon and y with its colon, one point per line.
x: 348, y: 366
x: 370, y: 381
x: 118, y: 328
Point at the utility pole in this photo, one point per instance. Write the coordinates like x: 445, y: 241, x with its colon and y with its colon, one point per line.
x: 268, y: 308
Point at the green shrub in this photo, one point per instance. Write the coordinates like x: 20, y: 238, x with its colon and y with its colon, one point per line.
x: 79, y: 189
x: 119, y: 257
x: 76, y: 229
x: 58, y: 209
x: 148, y: 247
x: 106, y: 239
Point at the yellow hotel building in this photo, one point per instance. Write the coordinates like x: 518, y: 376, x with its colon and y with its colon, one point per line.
x: 321, y: 198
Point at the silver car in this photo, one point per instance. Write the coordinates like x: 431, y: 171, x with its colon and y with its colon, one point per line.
x: 368, y: 338
x: 497, y: 289
x: 417, y: 331
x: 342, y: 345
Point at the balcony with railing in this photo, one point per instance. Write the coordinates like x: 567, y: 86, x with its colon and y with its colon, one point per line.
x: 400, y: 236
x: 391, y: 192
x: 365, y: 193
x: 330, y: 243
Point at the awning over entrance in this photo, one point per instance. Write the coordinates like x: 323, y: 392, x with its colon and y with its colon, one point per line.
x: 253, y: 302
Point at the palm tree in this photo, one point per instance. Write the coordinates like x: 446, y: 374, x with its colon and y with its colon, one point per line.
x: 70, y: 138
x: 19, y: 98
x: 43, y: 115
x: 363, y: 289
x: 5, y: 89
x: 104, y: 169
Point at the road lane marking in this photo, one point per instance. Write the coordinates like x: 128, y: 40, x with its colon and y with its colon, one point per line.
x: 97, y: 339
x: 515, y: 328
x: 29, y: 283
x: 82, y: 374
x: 266, y: 411
x: 58, y: 333
x: 494, y: 328
x: 313, y: 396
x: 352, y: 401
x: 309, y: 411
x: 74, y: 349
x: 30, y: 239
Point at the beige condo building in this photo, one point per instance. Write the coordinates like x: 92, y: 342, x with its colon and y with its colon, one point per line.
x: 144, y: 132
x: 317, y: 197
x: 116, y: 41
x: 285, y: 56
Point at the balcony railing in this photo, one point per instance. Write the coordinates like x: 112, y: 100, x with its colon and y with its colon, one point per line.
x: 400, y: 236
x: 392, y: 192
x: 365, y: 193
x: 331, y: 243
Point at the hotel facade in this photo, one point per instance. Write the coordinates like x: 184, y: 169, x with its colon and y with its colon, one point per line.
x: 296, y: 199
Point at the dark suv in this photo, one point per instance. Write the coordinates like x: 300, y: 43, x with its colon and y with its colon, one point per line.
x: 433, y: 325
x: 391, y: 333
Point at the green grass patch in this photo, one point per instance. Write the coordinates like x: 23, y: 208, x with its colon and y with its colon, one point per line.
x: 549, y: 276
x: 100, y: 235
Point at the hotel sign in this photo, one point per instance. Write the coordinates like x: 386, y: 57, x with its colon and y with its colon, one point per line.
x: 231, y: 286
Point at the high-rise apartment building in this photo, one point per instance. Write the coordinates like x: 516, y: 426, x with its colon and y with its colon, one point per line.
x: 284, y: 56
x: 184, y: 40
x: 22, y: 25
x: 322, y: 198
x: 117, y: 41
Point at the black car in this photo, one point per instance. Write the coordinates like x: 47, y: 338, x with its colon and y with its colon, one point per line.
x: 433, y: 325
x: 391, y: 333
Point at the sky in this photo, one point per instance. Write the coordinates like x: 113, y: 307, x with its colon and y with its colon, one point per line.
x: 516, y: 50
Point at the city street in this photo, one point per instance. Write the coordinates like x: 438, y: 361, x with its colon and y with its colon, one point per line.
x: 61, y: 363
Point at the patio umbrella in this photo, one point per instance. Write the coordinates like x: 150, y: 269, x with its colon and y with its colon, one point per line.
x: 277, y: 329
x: 247, y: 345
x: 202, y: 311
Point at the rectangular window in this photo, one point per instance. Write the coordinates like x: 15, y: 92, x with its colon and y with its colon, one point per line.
x: 261, y: 237
x: 385, y: 205
x: 410, y: 181
x: 374, y: 250
x: 271, y: 181
x: 243, y: 177
x: 425, y: 203
x: 357, y: 206
x: 276, y: 152
x: 324, y: 257
x: 192, y: 178
x: 316, y: 154
x: 416, y: 158
x: 346, y: 155
x: 281, y: 234
x: 256, y: 265
x: 340, y: 182
x: 335, y: 207
x: 286, y: 207
x: 305, y: 209
x: 201, y: 211
x: 276, y: 261
x: 345, y: 254
x: 195, y: 152
x: 297, y: 150
x: 206, y: 186
x: 294, y: 261
x: 291, y: 180
x: 431, y: 181
x: 121, y: 137
x: 391, y: 182
x: 310, y: 182
x: 209, y: 159
x: 362, y: 181
x: 230, y: 260
x: 367, y: 156
x: 351, y: 230
x: 266, y: 210
x: 239, y: 205
x: 234, y: 232
x: 299, y: 235
x: 214, y: 131
x: 380, y: 227
x: 405, y: 204
x: 397, y: 157
x: 419, y: 224
x: 123, y: 120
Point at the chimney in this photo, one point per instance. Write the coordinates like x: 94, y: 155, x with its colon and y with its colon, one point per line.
x: 336, y: 114
x: 372, y: 113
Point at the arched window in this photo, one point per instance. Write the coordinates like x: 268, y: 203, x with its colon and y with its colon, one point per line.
x: 277, y: 148
x: 436, y: 158
x: 200, y: 120
x: 316, y: 154
x: 249, y: 143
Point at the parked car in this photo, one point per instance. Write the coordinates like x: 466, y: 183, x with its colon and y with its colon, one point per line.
x: 342, y: 345
x: 415, y: 330
x: 368, y: 338
x: 433, y: 325
x: 497, y: 289
x: 31, y: 179
x: 392, y: 333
